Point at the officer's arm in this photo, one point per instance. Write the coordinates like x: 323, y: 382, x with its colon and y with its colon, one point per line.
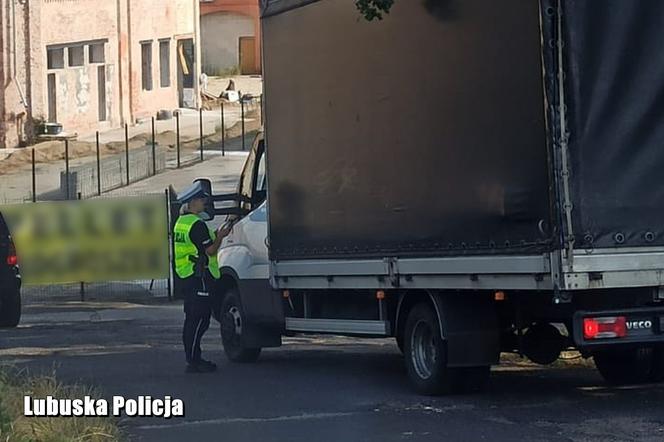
x: 213, y: 248
x: 200, y: 235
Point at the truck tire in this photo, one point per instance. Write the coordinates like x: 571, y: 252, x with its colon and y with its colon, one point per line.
x: 425, y: 353
x: 625, y: 366
x: 231, y: 330
x: 657, y: 374
x: 10, y: 309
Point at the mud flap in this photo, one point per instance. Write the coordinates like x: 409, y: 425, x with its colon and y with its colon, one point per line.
x: 264, y: 320
x: 470, y: 327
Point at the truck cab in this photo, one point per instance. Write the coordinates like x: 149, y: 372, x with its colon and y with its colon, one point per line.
x: 250, y: 312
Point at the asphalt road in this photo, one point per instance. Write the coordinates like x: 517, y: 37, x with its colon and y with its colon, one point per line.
x: 316, y: 388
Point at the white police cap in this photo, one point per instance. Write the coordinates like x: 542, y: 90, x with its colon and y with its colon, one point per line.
x: 192, y: 192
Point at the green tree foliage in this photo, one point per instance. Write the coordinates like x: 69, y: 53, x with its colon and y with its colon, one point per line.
x: 374, y: 9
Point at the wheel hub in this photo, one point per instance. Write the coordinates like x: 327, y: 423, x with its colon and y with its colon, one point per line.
x: 423, y: 350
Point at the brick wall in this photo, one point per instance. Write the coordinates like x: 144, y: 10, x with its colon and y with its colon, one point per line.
x: 246, y: 8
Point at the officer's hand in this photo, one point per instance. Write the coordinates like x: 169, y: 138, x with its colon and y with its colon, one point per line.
x: 224, y: 230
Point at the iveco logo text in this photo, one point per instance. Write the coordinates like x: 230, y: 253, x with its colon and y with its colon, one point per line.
x: 638, y: 325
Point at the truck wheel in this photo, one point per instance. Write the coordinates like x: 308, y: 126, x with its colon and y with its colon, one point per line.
x: 10, y: 309
x: 231, y: 330
x: 426, y: 353
x: 630, y: 366
x: 657, y: 374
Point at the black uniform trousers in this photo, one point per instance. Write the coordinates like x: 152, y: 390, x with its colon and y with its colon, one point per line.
x: 197, y: 292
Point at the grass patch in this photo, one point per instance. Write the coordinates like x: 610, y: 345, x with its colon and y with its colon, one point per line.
x: 14, y: 427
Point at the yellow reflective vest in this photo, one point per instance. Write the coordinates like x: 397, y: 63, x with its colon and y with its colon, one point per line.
x: 186, y: 253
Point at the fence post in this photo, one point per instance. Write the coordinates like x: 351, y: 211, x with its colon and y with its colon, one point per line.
x: 67, y: 190
x: 127, y: 151
x: 34, y: 178
x: 170, y: 245
x: 242, y: 119
x: 223, y: 131
x: 200, y: 129
x: 98, y: 166
x: 154, y: 150
x: 82, y: 287
x: 177, y: 135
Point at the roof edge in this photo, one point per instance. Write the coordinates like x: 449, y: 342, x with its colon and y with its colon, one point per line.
x: 271, y: 8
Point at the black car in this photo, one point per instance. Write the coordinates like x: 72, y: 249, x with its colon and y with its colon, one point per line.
x: 10, y: 279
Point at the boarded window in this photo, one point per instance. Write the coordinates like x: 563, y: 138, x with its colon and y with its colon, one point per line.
x: 165, y: 63
x: 96, y: 53
x: 146, y: 65
x: 76, y: 56
x: 55, y: 58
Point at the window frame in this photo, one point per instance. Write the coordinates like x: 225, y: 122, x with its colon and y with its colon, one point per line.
x: 72, y: 47
x: 147, y: 74
x: 49, y: 59
x: 91, y: 47
x: 165, y: 68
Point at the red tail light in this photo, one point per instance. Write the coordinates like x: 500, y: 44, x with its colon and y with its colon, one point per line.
x: 603, y: 328
x: 12, y: 259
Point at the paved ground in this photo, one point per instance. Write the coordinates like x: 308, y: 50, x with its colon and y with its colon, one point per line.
x: 318, y: 388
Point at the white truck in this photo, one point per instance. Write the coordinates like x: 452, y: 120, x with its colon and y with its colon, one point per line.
x: 467, y: 177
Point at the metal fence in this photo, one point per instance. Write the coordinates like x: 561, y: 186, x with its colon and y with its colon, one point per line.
x: 72, y: 169
x: 142, y: 290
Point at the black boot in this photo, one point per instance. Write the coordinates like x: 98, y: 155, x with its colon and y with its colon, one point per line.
x: 201, y: 367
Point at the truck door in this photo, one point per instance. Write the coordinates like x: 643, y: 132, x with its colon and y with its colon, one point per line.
x: 252, y: 181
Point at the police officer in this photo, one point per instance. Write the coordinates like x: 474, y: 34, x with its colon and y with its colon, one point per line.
x: 196, y: 265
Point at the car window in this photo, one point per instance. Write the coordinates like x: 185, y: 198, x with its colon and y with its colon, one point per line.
x: 246, y: 180
x: 259, y: 193
x: 260, y: 214
x: 260, y: 175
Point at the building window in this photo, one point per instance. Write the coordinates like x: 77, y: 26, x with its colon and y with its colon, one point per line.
x: 146, y: 65
x: 96, y: 53
x: 55, y: 58
x: 76, y: 55
x: 165, y: 63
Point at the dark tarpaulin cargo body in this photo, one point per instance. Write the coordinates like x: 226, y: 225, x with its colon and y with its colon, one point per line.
x: 614, y: 91
x: 438, y: 131
x: 422, y: 134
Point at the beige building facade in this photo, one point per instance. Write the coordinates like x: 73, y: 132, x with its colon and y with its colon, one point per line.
x: 94, y: 64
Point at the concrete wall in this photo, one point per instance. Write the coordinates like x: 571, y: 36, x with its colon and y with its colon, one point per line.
x: 220, y: 35
x: 122, y: 25
x: 152, y: 24
x: 246, y: 8
x: 15, y: 87
x: 155, y: 20
x: 77, y: 94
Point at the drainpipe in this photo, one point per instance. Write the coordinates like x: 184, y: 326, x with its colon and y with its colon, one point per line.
x: 118, y: 7
x: 15, y: 63
x: 197, y: 54
x: 130, y: 63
